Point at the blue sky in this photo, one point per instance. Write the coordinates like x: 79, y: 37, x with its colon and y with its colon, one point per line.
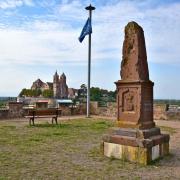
x: 38, y: 37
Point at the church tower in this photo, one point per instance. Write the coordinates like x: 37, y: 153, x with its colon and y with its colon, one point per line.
x: 63, y: 86
x: 56, y: 85
x: 60, y: 88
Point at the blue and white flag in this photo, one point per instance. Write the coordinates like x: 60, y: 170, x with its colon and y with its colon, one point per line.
x: 87, y: 29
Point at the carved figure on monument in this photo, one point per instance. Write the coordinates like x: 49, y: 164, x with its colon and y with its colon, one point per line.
x: 128, y: 102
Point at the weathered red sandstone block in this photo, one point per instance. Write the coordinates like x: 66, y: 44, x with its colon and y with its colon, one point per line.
x: 137, y: 138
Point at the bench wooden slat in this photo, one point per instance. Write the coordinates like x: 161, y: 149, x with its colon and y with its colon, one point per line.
x: 47, y: 116
x: 43, y: 113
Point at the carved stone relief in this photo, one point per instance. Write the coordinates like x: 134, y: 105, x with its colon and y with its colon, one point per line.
x: 128, y: 101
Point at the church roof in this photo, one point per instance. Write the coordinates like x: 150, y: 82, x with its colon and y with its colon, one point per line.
x: 63, y: 76
x: 56, y: 74
x: 50, y: 84
x: 38, y: 81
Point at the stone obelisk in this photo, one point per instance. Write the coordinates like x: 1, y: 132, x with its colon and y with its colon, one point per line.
x: 136, y: 138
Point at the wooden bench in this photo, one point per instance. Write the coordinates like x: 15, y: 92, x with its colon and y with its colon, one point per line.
x: 53, y: 113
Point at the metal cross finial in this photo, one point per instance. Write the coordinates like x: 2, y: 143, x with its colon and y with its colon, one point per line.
x: 90, y: 8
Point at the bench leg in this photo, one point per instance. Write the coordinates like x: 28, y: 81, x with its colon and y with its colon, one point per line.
x: 33, y: 121
x: 54, y: 118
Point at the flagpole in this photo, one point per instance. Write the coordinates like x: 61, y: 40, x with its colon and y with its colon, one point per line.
x: 90, y: 9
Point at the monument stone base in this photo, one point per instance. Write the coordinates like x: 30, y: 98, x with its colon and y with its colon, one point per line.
x: 141, y: 146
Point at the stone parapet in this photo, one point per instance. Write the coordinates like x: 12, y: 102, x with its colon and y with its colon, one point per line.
x: 160, y: 111
x: 4, y: 113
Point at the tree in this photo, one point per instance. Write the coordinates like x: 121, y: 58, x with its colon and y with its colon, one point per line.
x: 112, y: 95
x: 26, y: 92
x: 95, y: 93
x: 22, y: 92
x: 82, y: 93
x: 30, y: 92
x: 36, y: 92
x: 83, y: 86
x: 47, y: 93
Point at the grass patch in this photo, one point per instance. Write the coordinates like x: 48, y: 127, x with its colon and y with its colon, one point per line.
x: 8, y: 127
x: 70, y: 150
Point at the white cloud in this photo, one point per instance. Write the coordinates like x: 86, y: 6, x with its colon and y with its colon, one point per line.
x: 47, y: 43
x: 29, y: 2
x: 10, y: 4
x: 46, y: 3
x: 15, y: 3
x: 56, y: 41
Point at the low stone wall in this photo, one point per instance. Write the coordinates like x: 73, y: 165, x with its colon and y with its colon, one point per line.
x: 165, y: 112
x: 4, y: 113
x: 110, y: 110
x: 160, y: 111
x: 66, y: 111
x: 15, y: 110
x: 173, y: 115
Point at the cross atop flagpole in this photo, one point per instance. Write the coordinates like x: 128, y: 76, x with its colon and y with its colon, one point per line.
x: 90, y: 9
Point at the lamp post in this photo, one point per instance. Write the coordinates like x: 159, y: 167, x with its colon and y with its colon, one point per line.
x: 90, y: 9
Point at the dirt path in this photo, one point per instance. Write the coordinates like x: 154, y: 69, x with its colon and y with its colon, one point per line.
x: 174, y: 139
x: 168, y: 167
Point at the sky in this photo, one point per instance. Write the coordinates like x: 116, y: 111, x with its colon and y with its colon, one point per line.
x: 38, y: 37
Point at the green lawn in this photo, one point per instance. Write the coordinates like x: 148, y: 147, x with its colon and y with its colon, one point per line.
x: 67, y: 151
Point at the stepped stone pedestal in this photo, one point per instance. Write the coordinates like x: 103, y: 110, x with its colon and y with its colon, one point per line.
x: 136, y: 138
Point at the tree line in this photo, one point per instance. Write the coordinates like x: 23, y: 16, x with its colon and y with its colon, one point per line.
x: 47, y: 93
x: 96, y: 93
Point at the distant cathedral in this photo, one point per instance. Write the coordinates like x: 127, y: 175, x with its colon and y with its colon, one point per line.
x: 59, y: 86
